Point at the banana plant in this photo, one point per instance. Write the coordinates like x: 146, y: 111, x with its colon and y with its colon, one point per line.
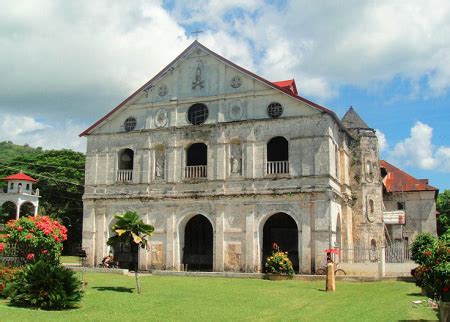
x: 130, y: 228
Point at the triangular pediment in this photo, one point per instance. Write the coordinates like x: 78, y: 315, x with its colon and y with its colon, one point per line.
x: 199, y: 74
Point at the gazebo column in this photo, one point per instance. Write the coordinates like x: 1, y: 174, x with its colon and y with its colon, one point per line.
x: 18, y: 205
x: 36, y: 206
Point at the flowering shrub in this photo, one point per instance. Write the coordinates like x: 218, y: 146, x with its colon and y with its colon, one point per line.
x: 278, y: 262
x: 433, y: 256
x: 33, y: 238
x: 6, y: 276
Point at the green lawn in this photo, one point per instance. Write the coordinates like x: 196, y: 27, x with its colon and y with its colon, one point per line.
x: 111, y: 297
x: 70, y: 259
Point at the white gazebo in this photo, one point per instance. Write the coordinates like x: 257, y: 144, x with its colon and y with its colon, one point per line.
x: 20, y: 192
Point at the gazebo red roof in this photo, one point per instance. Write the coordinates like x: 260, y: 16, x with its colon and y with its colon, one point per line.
x: 19, y: 176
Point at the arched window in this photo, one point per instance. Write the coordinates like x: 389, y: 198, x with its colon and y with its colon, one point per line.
x: 371, y: 206
x: 277, y: 156
x: 28, y: 186
x: 196, y: 161
x: 125, y: 166
x: 11, y: 186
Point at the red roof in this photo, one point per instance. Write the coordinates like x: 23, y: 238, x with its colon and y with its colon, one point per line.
x: 19, y: 176
x: 245, y: 71
x: 397, y: 180
x: 288, y: 85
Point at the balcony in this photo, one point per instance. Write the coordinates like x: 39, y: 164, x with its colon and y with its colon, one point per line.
x: 277, y: 167
x: 124, y: 176
x: 195, y: 171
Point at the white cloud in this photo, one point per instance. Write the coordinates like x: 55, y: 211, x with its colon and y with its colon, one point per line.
x: 22, y: 129
x: 418, y: 150
x: 382, y: 141
x: 359, y: 43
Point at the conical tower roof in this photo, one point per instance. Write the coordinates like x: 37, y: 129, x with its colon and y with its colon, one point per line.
x: 352, y: 120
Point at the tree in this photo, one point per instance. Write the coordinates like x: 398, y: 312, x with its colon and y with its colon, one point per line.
x: 61, y: 179
x: 130, y: 228
x: 443, y: 207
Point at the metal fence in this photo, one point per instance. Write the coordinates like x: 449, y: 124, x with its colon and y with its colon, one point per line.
x: 396, y: 252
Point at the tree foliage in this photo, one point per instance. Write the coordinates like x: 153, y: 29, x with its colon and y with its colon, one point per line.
x: 61, y: 179
x: 443, y: 207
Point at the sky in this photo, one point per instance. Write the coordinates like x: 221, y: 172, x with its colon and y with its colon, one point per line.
x: 64, y: 64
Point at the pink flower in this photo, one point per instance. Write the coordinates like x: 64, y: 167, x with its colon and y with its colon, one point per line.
x: 20, y: 228
x: 44, y: 251
x: 30, y: 256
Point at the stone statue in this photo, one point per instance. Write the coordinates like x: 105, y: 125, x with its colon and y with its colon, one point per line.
x: 160, y: 167
x: 235, y: 164
x: 198, y: 82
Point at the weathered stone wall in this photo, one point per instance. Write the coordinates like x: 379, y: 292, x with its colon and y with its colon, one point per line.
x: 420, y: 212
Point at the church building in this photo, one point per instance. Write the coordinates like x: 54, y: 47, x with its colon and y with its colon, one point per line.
x: 223, y: 163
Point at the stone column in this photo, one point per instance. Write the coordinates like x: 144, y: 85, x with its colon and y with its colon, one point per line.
x: 171, y: 258
x: 219, y: 241
x: 89, y: 229
x: 249, y: 242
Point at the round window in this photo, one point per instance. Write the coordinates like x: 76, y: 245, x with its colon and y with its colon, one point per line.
x: 198, y: 113
x: 274, y: 110
x: 129, y: 124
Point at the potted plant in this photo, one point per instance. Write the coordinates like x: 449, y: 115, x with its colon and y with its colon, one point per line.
x: 433, y: 273
x: 278, y: 265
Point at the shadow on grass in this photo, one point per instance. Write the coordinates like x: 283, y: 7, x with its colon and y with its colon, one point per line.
x: 114, y: 289
x: 414, y: 294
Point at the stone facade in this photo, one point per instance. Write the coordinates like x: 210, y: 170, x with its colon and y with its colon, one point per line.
x: 141, y: 157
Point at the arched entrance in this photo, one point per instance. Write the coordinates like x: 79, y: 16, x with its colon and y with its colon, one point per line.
x: 8, y: 211
x: 198, y: 244
x: 281, y: 229
x: 26, y: 209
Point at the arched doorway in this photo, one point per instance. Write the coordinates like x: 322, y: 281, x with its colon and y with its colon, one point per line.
x: 8, y: 211
x: 281, y: 229
x: 26, y: 209
x: 198, y: 244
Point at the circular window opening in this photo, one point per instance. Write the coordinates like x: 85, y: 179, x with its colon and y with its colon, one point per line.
x: 129, y: 124
x: 274, y: 110
x: 198, y: 113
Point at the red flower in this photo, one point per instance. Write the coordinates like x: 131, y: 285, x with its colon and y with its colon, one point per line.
x: 30, y: 256
x: 44, y: 251
x: 2, y: 247
x: 445, y: 289
x: 20, y: 228
x: 29, y: 236
x: 427, y: 253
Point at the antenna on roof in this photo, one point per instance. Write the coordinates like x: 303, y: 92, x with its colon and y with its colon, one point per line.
x: 196, y: 32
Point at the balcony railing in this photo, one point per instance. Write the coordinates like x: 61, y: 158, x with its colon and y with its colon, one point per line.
x: 124, y: 176
x: 276, y: 167
x: 195, y: 171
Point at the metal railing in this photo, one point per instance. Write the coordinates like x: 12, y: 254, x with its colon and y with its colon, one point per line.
x: 276, y: 167
x: 124, y: 176
x: 195, y: 171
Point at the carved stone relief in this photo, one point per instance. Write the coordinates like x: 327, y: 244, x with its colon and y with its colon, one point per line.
x: 236, y: 82
x: 233, y: 257
x: 163, y: 90
x: 157, y: 251
x: 198, y: 80
x: 161, y: 118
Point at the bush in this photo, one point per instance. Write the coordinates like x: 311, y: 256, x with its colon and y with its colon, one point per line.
x: 34, y: 238
x: 45, y: 286
x: 6, y: 276
x: 421, y: 248
x: 433, y: 273
x: 279, y: 262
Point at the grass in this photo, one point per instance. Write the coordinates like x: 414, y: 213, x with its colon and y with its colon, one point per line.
x: 70, y: 259
x: 112, y: 297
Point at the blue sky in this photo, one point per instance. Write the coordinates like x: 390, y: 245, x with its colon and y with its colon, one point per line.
x: 65, y: 64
